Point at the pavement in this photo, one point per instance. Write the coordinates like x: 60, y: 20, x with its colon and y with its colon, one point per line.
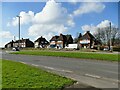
x: 87, y: 73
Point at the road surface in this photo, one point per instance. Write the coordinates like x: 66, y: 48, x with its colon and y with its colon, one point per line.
x: 99, y: 74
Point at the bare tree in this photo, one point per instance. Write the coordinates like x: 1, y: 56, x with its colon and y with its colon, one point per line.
x: 105, y: 34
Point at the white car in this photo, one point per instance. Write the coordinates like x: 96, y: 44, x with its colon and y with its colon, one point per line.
x: 106, y: 49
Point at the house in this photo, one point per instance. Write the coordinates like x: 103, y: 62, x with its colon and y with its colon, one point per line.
x: 41, y: 43
x: 77, y: 39
x: 61, y: 41
x: 9, y: 45
x: 87, y: 40
x: 53, y: 41
x: 23, y: 43
x: 69, y: 39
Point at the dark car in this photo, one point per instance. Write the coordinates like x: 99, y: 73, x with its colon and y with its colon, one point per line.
x: 15, y: 49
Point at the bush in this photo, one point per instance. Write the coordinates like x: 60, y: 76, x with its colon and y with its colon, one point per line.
x: 117, y: 48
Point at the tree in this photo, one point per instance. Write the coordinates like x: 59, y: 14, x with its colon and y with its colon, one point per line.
x: 106, y: 34
x: 79, y: 35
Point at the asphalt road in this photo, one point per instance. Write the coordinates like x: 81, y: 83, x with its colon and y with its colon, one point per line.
x: 99, y: 74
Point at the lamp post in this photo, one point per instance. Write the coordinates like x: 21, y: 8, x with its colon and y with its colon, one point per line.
x: 110, y: 38
x: 19, y: 30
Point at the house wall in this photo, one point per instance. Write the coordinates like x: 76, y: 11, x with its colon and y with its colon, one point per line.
x: 60, y: 44
x: 86, y: 43
x: 36, y: 44
x: 29, y: 43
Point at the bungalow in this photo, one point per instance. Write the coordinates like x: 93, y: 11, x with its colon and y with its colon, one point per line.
x: 61, y: 41
x: 23, y: 43
x: 87, y: 40
x: 41, y: 43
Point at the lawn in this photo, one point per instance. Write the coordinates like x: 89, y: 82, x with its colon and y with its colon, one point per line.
x: 82, y: 55
x: 18, y: 75
x: 0, y: 74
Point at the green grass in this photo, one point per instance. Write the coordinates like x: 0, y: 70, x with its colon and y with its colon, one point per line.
x: 82, y: 55
x: 0, y: 74
x: 18, y: 75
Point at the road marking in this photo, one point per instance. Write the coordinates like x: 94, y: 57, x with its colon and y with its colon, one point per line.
x: 51, y: 68
x: 23, y: 62
x: 56, y: 69
x: 35, y: 65
x: 93, y: 76
x: 99, y: 77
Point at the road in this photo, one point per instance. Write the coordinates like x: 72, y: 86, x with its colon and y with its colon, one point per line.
x: 99, y: 74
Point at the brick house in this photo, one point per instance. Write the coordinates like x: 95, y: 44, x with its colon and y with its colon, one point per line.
x: 53, y: 41
x: 9, y: 45
x: 61, y: 41
x: 41, y: 43
x: 23, y: 43
x: 87, y: 41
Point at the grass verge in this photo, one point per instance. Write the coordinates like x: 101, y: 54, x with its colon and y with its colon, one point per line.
x: 18, y: 75
x: 0, y: 74
x: 82, y: 55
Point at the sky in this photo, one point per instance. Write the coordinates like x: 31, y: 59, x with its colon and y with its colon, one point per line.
x: 52, y: 18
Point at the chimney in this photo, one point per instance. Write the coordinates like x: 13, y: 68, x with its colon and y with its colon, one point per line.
x: 88, y: 31
x: 80, y: 35
x: 60, y: 34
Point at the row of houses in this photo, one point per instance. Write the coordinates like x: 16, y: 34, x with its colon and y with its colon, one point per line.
x: 22, y: 43
x: 86, y: 41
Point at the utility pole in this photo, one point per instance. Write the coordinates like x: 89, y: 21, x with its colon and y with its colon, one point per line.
x: 110, y: 38
x: 19, y: 30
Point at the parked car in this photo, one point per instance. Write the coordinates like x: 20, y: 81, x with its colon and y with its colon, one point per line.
x: 15, y: 49
x: 106, y: 49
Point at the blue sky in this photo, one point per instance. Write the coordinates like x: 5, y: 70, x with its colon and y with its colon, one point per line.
x: 41, y: 19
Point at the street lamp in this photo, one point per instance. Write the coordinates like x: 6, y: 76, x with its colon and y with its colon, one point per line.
x: 110, y: 38
x: 19, y: 30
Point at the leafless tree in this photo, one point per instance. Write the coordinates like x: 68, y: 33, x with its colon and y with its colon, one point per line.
x: 105, y: 34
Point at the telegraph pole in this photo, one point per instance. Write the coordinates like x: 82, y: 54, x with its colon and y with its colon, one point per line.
x: 110, y: 38
x: 19, y: 30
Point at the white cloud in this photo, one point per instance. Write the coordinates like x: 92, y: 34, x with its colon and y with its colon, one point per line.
x: 104, y: 23
x: 74, y: 2
x: 88, y: 7
x: 52, y: 20
x: 93, y: 28
x: 90, y: 28
x: 5, y: 34
x: 25, y: 18
x: 46, y: 30
x: 54, y: 13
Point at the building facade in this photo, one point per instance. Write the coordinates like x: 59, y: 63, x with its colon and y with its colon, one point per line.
x: 87, y: 41
x: 41, y: 43
x: 61, y: 41
x: 23, y: 43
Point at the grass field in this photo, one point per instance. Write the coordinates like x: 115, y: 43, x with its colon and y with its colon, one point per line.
x: 0, y: 74
x: 18, y: 75
x: 82, y: 55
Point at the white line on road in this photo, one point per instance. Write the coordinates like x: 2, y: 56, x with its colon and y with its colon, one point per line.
x: 35, y: 65
x: 23, y: 62
x: 99, y: 77
x: 56, y: 69
x: 51, y: 68
x: 93, y: 76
